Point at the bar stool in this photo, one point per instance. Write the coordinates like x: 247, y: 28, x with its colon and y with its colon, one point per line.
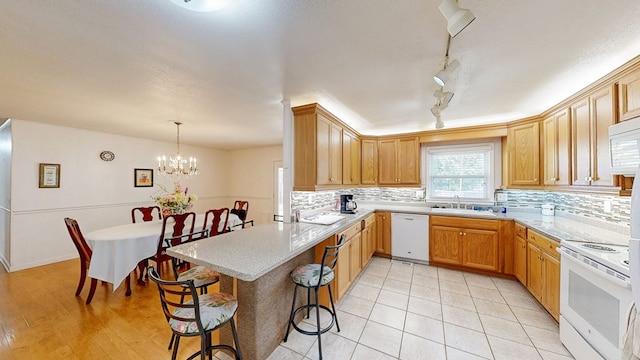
x: 315, y: 276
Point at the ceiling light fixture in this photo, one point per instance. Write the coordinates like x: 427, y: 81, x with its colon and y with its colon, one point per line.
x: 176, y: 165
x: 444, y: 96
x: 437, y: 109
x: 201, y: 5
x: 439, y: 122
x: 444, y: 75
x: 457, y: 18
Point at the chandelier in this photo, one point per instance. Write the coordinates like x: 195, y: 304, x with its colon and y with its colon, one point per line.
x: 177, y: 165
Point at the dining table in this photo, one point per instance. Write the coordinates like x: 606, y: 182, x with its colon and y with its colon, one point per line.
x: 117, y: 250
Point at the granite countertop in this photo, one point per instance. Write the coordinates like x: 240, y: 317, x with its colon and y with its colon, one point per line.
x: 250, y: 253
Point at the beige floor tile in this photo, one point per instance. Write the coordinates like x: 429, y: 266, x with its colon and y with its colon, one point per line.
x: 356, y: 306
x: 457, y: 300
x: 414, y: 347
x: 364, y: 291
x: 426, y: 281
x: 537, y: 318
x: 425, y: 308
x: 505, y: 329
x: 371, y: 280
x: 388, y: 316
x: 468, y: 340
x: 298, y: 342
x: 450, y: 275
x: 394, y: 299
x: 333, y: 347
x: 282, y: 353
x: 455, y: 287
x: 486, y: 294
x: 548, y: 355
x: 377, y: 271
x: 425, y: 293
x: 494, y: 309
x: 366, y: 353
x: 524, y: 301
x: 425, y: 327
x: 509, y: 286
x: 546, y: 339
x: 400, y: 275
x: 478, y: 280
x: 382, y: 338
x: 508, y: 350
x: 461, y: 317
x: 397, y: 286
x: 402, y: 266
x: 351, y: 326
x: 380, y: 261
x: 425, y: 270
x: 455, y: 354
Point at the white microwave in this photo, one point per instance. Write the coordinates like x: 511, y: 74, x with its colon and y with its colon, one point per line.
x: 624, y: 146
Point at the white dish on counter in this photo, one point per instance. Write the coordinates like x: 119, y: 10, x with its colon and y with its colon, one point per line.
x: 322, y: 219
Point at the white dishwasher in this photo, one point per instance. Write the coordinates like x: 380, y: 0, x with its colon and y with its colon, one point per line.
x: 410, y: 236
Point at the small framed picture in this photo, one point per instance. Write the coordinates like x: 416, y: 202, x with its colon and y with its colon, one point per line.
x: 143, y: 177
x: 49, y: 176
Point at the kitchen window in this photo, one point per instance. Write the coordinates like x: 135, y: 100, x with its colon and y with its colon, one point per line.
x: 467, y: 171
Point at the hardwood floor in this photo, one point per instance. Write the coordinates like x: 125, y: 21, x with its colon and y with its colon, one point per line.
x: 40, y: 318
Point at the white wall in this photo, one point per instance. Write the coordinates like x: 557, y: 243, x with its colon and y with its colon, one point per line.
x: 5, y: 191
x: 251, y: 178
x: 97, y: 193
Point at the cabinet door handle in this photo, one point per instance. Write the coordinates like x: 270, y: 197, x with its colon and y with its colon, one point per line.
x: 464, y: 233
x: 460, y: 233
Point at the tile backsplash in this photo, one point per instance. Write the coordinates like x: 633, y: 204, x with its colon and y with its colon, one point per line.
x: 587, y: 206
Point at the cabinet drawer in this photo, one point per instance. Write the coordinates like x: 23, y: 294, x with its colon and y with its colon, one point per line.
x: 462, y: 222
x: 544, y: 243
x: 521, y: 231
x: 349, y: 233
x: 368, y: 221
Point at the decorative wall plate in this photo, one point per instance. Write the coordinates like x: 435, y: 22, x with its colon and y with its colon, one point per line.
x: 107, y: 155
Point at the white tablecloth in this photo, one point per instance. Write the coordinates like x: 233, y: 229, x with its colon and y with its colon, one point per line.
x: 117, y: 250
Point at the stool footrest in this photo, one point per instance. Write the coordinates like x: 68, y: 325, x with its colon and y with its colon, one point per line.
x: 317, y: 332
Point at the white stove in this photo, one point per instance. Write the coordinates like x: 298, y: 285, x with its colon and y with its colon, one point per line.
x: 612, y: 259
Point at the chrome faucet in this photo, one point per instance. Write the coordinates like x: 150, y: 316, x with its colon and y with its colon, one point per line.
x: 456, y: 198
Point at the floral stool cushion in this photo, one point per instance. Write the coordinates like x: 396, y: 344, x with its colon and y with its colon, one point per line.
x: 215, y: 310
x: 307, y: 275
x: 200, y: 275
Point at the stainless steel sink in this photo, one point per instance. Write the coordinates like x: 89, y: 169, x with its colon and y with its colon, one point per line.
x: 455, y: 211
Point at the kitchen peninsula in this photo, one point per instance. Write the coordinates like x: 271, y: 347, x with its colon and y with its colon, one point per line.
x: 254, y: 264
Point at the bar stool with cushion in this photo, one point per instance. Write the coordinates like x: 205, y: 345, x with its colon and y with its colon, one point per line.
x: 315, y: 276
x: 148, y: 213
x: 85, y: 259
x: 190, y: 314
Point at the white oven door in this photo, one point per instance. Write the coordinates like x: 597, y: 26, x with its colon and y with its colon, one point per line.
x: 596, y: 305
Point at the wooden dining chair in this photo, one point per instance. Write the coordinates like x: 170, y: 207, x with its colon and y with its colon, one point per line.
x: 180, y: 224
x: 213, y: 220
x: 85, y: 259
x: 241, y: 208
x: 148, y: 213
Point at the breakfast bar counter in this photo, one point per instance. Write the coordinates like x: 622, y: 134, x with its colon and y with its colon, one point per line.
x: 255, y: 264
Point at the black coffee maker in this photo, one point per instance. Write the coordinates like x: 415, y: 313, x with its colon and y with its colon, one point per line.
x: 347, y: 205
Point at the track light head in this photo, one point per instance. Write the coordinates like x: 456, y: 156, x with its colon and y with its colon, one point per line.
x: 443, y: 75
x: 444, y: 96
x: 439, y: 122
x: 457, y: 18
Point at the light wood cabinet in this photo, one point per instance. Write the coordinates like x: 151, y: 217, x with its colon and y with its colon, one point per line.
x: 543, y: 271
x: 590, y: 121
x: 470, y: 243
x: 350, y: 159
x: 556, y: 140
x: 629, y: 94
x: 399, y: 161
x: 369, y: 175
x: 523, y: 142
x: 348, y: 265
x: 368, y: 246
x: 329, y: 152
x: 383, y: 234
x: 355, y: 252
x: 520, y: 254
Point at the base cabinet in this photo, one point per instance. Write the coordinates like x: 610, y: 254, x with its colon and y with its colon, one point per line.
x: 543, y: 271
x: 383, y: 234
x: 368, y: 246
x: 520, y: 254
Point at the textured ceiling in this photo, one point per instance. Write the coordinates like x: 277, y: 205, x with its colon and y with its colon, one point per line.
x: 131, y: 66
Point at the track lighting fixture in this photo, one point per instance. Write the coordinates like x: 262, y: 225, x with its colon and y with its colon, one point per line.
x: 443, y: 96
x: 437, y: 109
x: 457, y: 18
x: 439, y: 122
x: 442, y: 76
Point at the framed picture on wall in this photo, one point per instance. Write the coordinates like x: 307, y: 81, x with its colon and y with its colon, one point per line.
x: 143, y: 177
x: 49, y: 176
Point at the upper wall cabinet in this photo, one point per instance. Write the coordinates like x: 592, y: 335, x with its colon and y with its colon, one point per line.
x: 399, y: 161
x: 556, y: 149
x: 590, y: 121
x: 350, y: 158
x: 523, y: 144
x: 317, y: 149
x: 629, y: 91
x: 369, y: 162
